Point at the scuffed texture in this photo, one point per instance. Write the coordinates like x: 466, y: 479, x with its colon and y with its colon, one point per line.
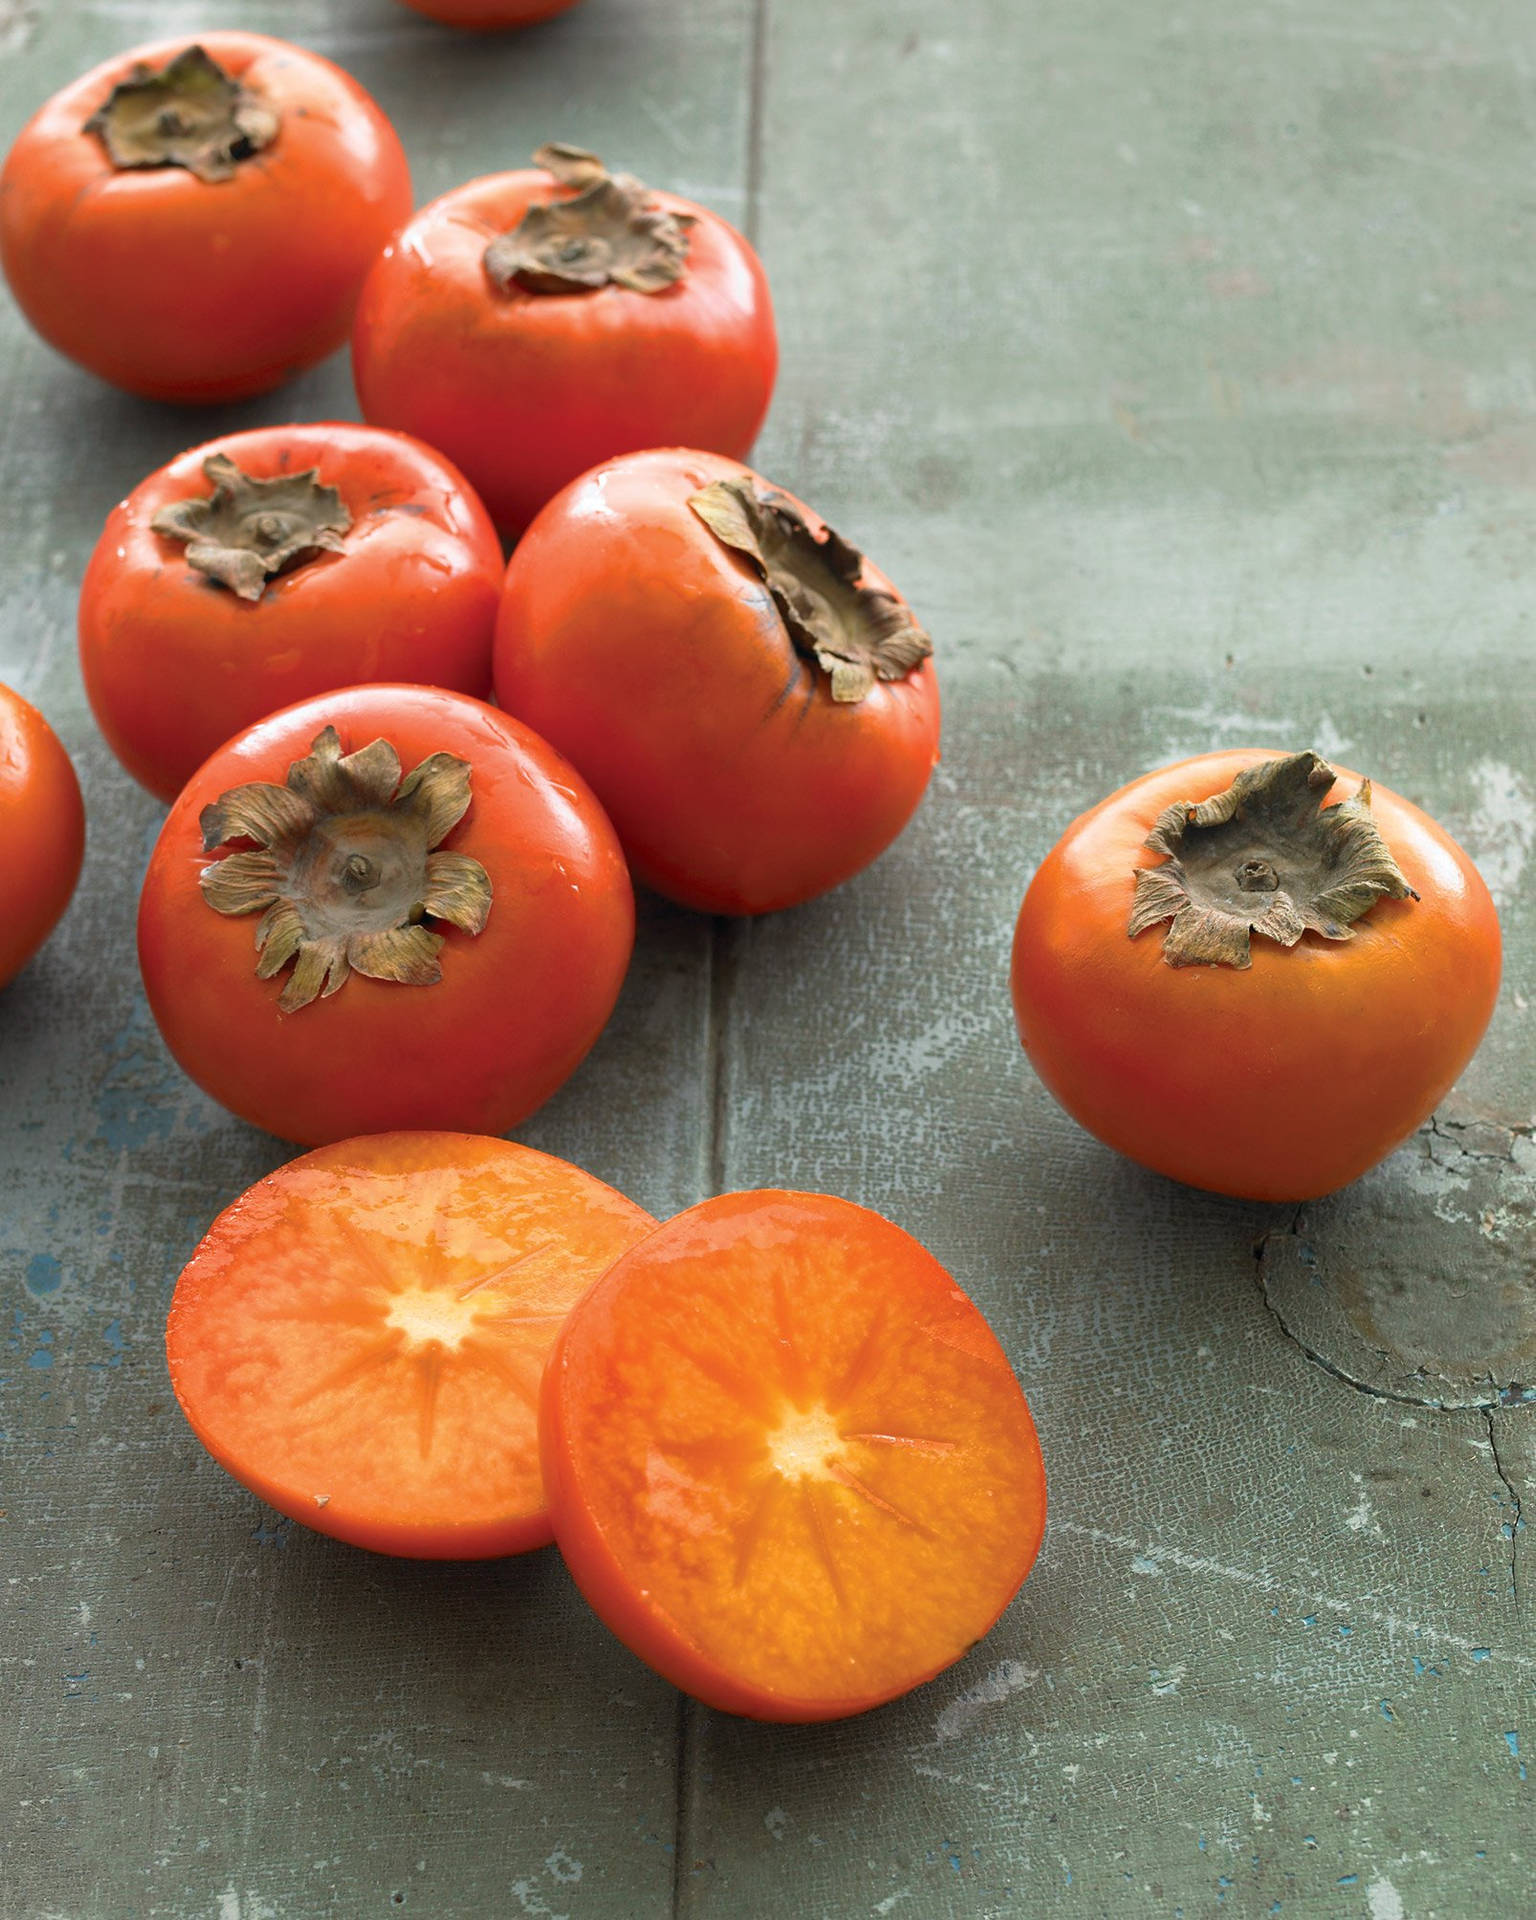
x: 1183, y: 385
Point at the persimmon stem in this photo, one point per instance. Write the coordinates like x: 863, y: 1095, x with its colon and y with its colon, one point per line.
x: 613, y: 232
x: 190, y: 114
x: 1264, y: 856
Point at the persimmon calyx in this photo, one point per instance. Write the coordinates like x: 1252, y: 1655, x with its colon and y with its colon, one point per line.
x: 612, y: 233
x: 1264, y: 856
x: 190, y: 114
x: 247, y: 530
x: 855, y: 634
x: 344, y: 869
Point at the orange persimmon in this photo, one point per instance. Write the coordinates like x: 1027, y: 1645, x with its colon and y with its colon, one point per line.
x: 358, y: 1338
x: 786, y: 1459
x: 1253, y: 972
x: 42, y: 831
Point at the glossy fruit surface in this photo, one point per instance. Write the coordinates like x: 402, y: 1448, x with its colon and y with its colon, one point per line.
x: 658, y: 660
x: 177, y: 661
x: 42, y: 831
x: 187, y: 288
x: 439, y: 904
x: 359, y: 1337
x: 786, y: 1459
x: 1281, y: 1080
x: 525, y: 390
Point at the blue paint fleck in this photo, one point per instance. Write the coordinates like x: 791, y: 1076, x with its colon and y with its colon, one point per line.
x: 42, y: 1357
x: 1348, y: 1879
x: 1512, y: 1741
x: 1309, y: 1619
x: 1386, y: 1712
x: 1481, y: 1653
x: 1345, y: 1632
x: 275, y: 1535
x: 44, y: 1275
x: 115, y: 1342
x: 1418, y: 1666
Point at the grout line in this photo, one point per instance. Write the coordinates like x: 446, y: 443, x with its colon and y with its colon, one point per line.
x: 757, y: 90
x: 720, y: 970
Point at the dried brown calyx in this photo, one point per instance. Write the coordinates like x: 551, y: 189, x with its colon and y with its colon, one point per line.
x: 247, y: 530
x: 1267, y: 857
x: 855, y: 634
x: 612, y: 233
x: 344, y: 870
x: 190, y: 114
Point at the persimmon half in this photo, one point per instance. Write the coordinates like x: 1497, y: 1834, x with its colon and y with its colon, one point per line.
x: 751, y: 698
x: 359, y: 1338
x: 192, y: 219
x: 1254, y: 973
x: 786, y: 1459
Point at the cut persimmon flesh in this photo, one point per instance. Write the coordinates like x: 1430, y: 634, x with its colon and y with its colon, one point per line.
x: 359, y: 1337
x: 786, y: 1459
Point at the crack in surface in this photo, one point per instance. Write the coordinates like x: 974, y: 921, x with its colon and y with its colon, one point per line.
x: 1515, y: 1506
x: 1507, y: 1394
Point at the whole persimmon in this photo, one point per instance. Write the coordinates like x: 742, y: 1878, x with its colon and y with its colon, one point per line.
x: 1254, y: 973
x: 271, y: 565
x: 192, y: 219
x: 387, y: 908
x: 42, y: 831
x: 751, y: 699
x: 530, y: 324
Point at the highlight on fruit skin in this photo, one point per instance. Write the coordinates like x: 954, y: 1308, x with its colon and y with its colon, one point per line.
x: 786, y: 1459
x: 358, y: 1339
x: 1254, y: 972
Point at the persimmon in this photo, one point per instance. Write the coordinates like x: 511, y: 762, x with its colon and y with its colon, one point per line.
x: 358, y: 1339
x: 532, y: 323
x: 386, y: 908
x: 752, y: 700
x: 1254, y: 973
x: 192, y: 219
x: 786, y: 1459
x: 274, y: 564
x: 42, y: 831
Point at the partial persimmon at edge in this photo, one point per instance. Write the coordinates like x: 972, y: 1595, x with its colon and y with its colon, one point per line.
x: 359, y: 1338
x: 786, y: 1459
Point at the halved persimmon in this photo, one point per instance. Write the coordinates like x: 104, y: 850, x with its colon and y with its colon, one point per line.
x: 359, y: 1337
x: 786, y: 1459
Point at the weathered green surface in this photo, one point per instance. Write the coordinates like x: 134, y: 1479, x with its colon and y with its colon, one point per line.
x: 1178, y: 366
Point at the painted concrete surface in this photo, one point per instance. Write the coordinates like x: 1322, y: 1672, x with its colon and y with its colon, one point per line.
x: 1178, y: 366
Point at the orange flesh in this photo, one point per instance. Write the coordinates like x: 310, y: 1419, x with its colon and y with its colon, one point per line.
x: 359, y: 1338
x: 788, y: 1461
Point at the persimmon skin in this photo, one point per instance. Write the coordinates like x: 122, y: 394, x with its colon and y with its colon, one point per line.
x: 805, y: 1303
x: 524, y: 391
x: 485, y: 16
x: 292, y: 1308
x: 654, y: 657
x: 193, y: 291
x: 1281, y: 1082
x: 42, y: 831
x: 175, y: 665
x: 519, y: 1005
